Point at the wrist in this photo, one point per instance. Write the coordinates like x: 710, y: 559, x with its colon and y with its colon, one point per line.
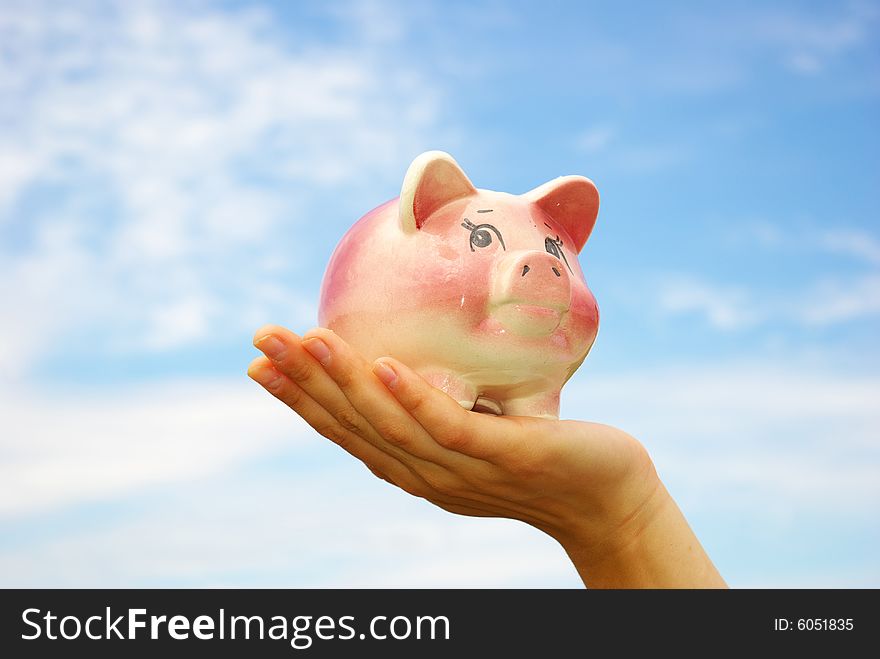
x: 651, y: 547
x: 600, y: 549
x: 614, y: 506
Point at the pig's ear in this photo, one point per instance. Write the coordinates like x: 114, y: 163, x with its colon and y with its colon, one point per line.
x: 432, y: 181
x: 573, y: 202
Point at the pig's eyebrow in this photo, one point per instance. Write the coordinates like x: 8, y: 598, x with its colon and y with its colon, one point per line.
x: 547, y: 225
x: 487, y: 210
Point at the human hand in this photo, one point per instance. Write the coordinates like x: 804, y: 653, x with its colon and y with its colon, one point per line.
x: 590, y: 486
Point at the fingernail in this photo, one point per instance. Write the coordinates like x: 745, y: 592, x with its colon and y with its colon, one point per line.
x: 385, y: 373
x: 318, y: 349
x: 272, y: 347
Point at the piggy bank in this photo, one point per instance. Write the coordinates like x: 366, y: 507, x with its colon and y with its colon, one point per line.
x: 480, y: 292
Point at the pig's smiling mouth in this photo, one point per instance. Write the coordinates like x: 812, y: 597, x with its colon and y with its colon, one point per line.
x: 528, y: 318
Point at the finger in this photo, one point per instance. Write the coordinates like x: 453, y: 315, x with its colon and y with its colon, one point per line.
x: 478, y: 435
x: 355, y: 378
x: 288, y: 392
x: 285, y: 350
x: 467, y: 511
x: 291, y: 394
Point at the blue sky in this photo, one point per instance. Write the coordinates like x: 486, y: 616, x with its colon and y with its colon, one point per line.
x: 174, y: 174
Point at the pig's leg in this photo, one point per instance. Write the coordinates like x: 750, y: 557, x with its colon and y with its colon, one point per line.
x: 544, y: 405
x: 461, y: 390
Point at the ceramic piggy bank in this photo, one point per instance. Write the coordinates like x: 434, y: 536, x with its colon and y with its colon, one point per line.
x: 479, y: 291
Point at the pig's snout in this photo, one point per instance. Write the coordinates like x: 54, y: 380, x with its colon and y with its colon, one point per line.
x: 533, y: 278
x: 531, y: 293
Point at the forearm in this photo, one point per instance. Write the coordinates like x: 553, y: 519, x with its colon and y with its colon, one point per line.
x: 654, y: 548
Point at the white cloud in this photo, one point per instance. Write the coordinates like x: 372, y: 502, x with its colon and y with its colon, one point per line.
x: 179, y: 322
x: 65, y: 450
x: 334, y: 525
x: 629, y: 157
x: 725, y: 308
x: 822, y: 300
x: 852, y: 242
x: 651, y: 157
x: 811, y: 42
x: 735, y: 44
x: 805, y: 64
x: 181, y: 149
x: 840, y: 300
x: 379, y: 22
x: 596, y: 139
x: 733, y: 308
x: 808, y: 237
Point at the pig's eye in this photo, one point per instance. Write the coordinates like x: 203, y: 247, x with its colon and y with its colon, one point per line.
x: 554, y: 247
x: 481, y: 234
x: 481, y: 238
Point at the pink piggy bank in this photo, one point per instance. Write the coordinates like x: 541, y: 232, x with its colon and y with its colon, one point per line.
x: 479, y: 291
